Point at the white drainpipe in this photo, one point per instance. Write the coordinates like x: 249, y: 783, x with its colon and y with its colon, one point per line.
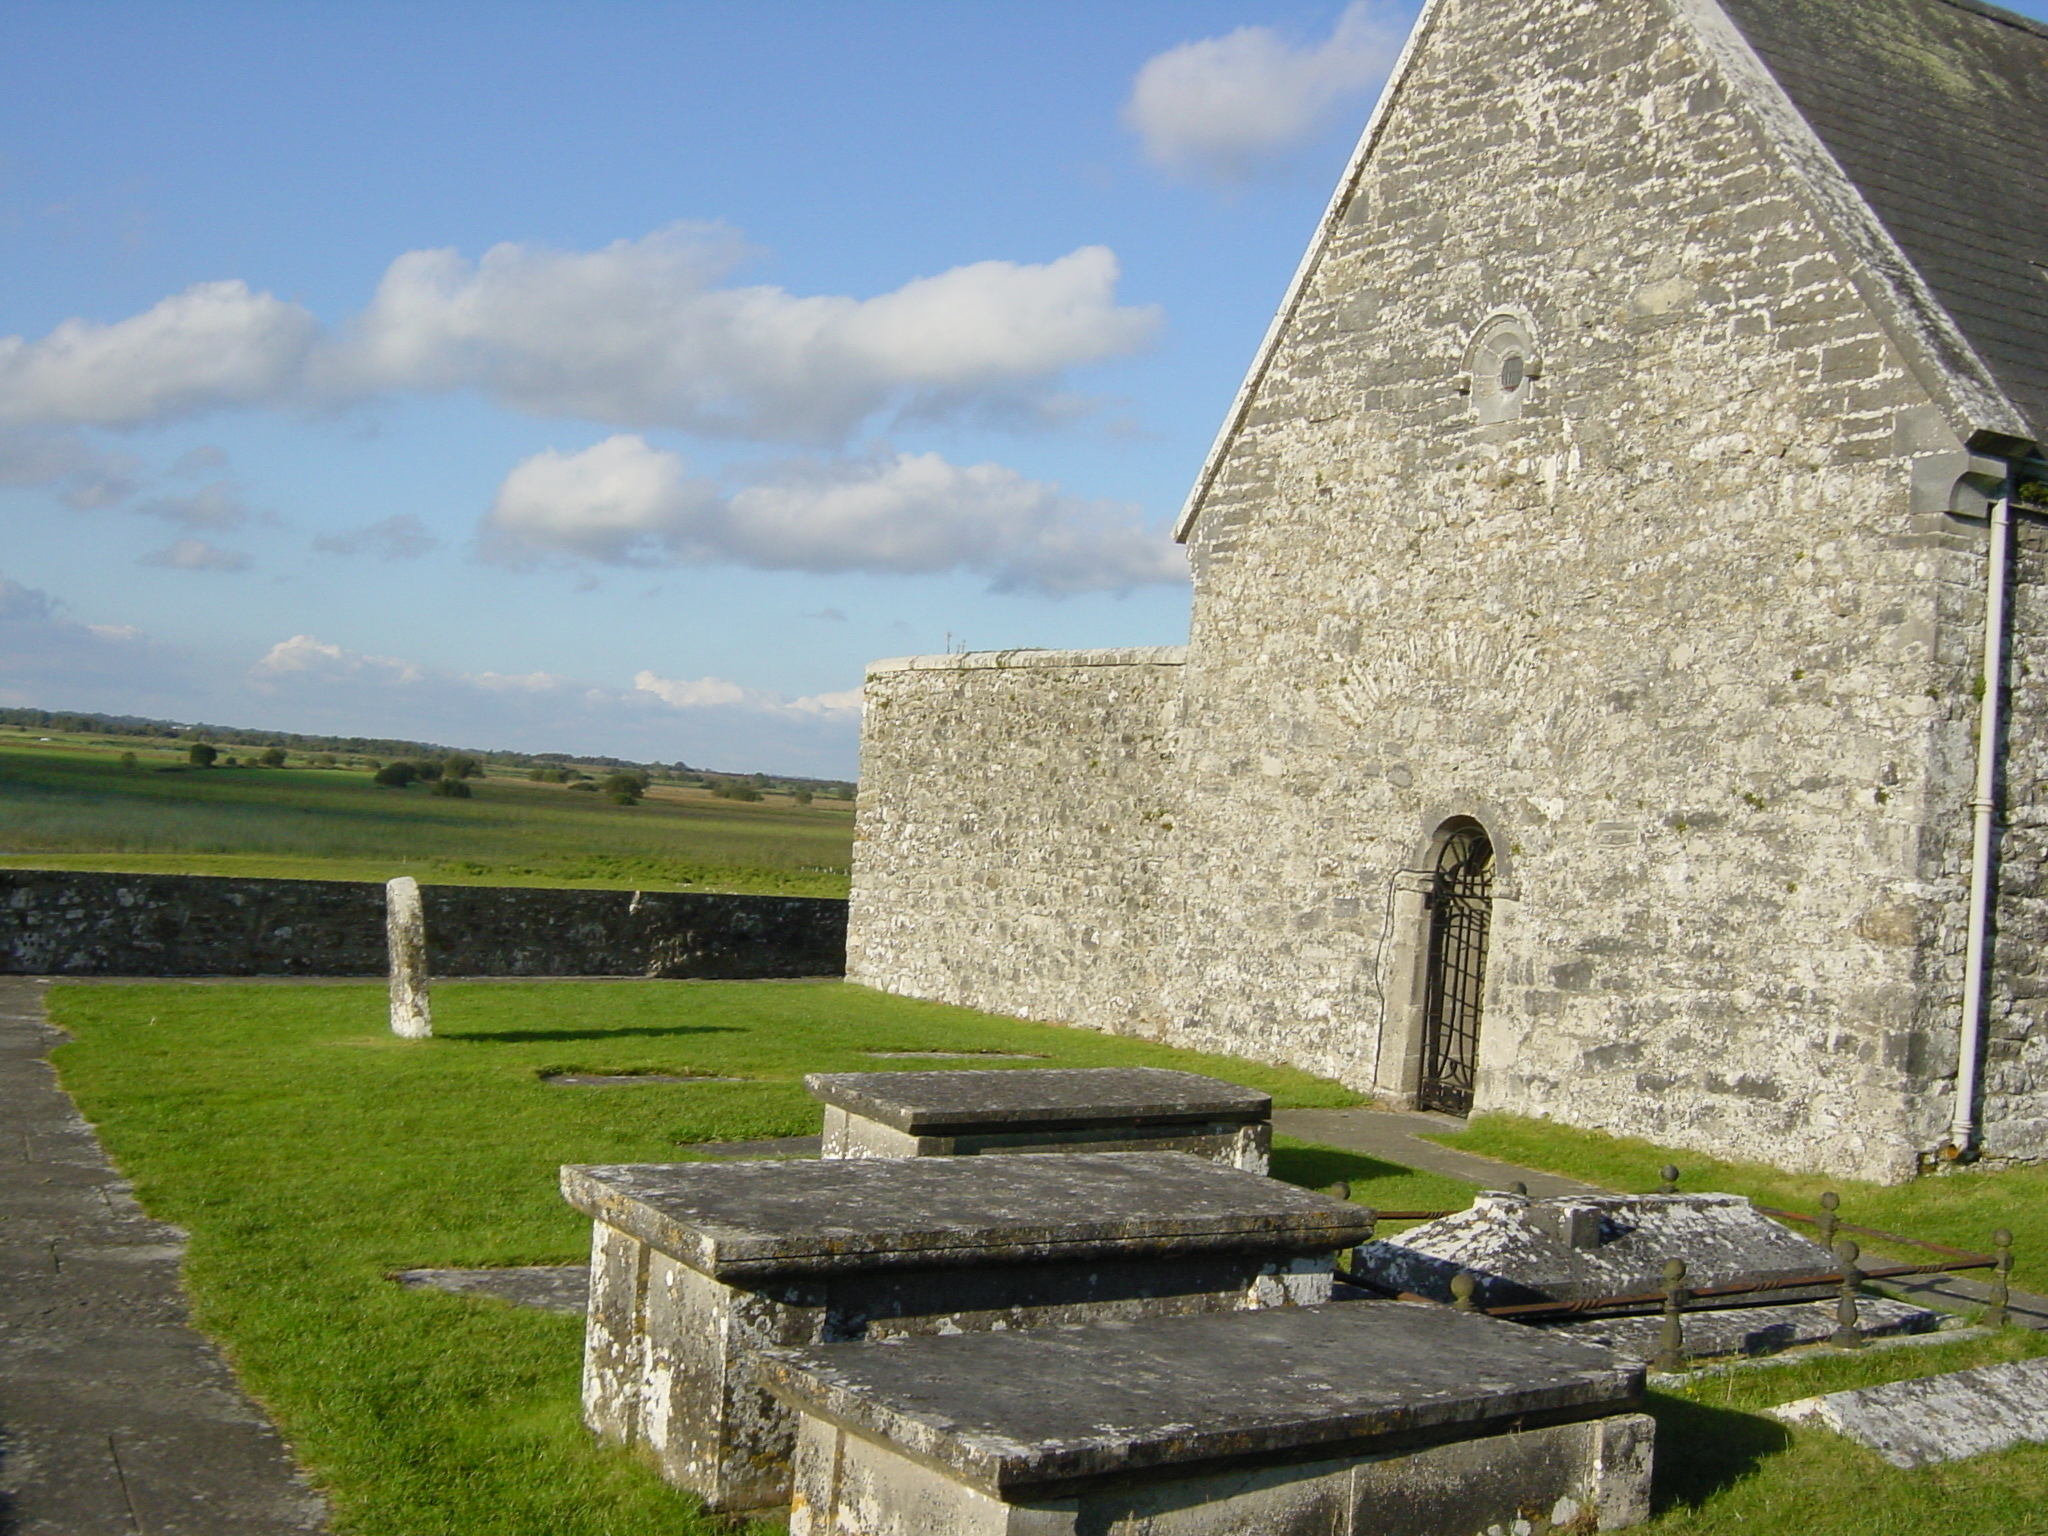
x: 1965, y: 1129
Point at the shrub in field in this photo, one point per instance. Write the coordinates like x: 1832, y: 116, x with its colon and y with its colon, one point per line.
x: 324, y: 760
x: 202, y: 754
x: 460, y: 765
x: 623, y: 788
x: 455, y: 788
x: 802, y: 797
x: 584, y: 784
x: 397, y: 775
x: 128, y: 762
x: 426, y: 772
x: 273, y: 757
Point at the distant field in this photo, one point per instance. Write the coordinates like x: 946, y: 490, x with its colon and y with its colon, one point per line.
x: 66, y: 802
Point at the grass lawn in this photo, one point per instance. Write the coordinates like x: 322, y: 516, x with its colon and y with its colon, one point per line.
x: 310, y: 1154
x: 69, y: 804
x: 1960, y: 1208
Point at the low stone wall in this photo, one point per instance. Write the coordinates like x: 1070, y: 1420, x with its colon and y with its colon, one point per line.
x: 54, y: 923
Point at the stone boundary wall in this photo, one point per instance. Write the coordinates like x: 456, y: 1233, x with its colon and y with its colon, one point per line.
x: 1015, y: 832
x: 55, y: 923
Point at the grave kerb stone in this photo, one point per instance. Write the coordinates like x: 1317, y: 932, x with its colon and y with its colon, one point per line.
x: 695, y: 1266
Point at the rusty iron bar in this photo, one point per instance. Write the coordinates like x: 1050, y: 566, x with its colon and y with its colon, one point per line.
x: 1413, y: 1215
x: 1641, y: 1299
x: 1831, y: 1226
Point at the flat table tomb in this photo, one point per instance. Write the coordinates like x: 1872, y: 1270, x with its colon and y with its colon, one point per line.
x: 1043, y: 1109
x: 1382, y: 1417
x: 696, y: 1266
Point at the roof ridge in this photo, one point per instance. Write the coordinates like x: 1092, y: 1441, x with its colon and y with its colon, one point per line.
x: 2000, y: 14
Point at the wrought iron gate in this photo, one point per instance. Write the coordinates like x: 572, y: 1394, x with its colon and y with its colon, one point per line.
x: 1460, y: 906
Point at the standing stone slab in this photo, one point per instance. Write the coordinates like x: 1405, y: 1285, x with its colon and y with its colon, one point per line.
x: 696, y: 1266
x: 405, y: 928
x: 1090, y: 1109
x: 1365, y: 1417
x: 1937, y: 1418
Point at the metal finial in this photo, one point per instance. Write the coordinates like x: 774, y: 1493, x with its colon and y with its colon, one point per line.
x: 1671, y: 1343
x: 1669, y: 1174
x: 1463, y: 1284
x: 1847, y: 1334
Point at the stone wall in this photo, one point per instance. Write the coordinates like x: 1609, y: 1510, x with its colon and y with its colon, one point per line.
x: 1008, y: 853
x: 1674, y: 632
x: 61, y: 924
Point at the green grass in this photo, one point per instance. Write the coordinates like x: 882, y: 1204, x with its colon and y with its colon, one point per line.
x: 1724, y: 1469
x: 1960, y: 1208
x: 69, y: 804
x: 310, y: 1153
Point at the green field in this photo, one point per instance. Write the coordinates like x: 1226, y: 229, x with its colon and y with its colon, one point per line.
x: 310, y: 1154
x: 67, y: 802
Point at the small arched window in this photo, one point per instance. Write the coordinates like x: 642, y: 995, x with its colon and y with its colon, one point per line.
x: 1503, y: 362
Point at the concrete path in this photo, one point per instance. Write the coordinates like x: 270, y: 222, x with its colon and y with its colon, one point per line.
x: 1397, y: 1138
x: 116, y: 1417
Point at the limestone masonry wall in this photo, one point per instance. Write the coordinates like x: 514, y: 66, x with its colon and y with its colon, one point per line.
x: 1009, y: 848
x: 61, y: 924
x: 1672, y: 629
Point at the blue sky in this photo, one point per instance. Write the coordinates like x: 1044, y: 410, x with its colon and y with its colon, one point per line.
x: 621, y: 377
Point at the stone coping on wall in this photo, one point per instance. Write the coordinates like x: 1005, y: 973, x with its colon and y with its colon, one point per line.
x: 1001, y: 661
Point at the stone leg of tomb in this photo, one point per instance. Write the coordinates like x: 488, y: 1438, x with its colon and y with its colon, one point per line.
x: 1583, y: 1476
x: 668, y: 1349
x: 1229, y: 1143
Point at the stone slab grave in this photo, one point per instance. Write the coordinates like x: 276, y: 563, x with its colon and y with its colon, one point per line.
x: 1937, y: 1418
x: 1323, y: 1421
x: 695, y: 1266
x: 1043, y: 1109
x: 1580, y: 1247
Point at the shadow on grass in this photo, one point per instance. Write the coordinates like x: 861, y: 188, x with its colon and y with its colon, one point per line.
x: 1702, y: 1451
x: 1320, y: 1167
x: 535, y: 1036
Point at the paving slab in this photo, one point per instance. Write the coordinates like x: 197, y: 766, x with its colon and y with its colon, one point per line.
x: 1937, y: 1418
x: 117, y: 1418
x: 545, y: 1287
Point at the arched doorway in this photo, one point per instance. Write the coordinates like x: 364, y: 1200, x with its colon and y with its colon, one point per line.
x: 1460, y: 909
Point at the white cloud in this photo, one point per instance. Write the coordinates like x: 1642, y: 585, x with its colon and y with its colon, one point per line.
x: 85, y: 477
x: 639, y: 334
x: 698, y: 720
x: 51, y: 661
x: 625, y: 502
x: 304, y: 657
x: 1224, y: 108
x: 196, y: 555
x: 213, y: 506
x: 402, y: 537
x: 215, y: 344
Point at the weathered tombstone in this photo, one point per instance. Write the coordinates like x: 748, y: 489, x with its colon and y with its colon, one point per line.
x: 1043, y: 1109
x: 1324, y: 1421
x: 405, y: 935
x: 1937, y: 1418
x: 696, y: 1266
x: 1577, y: 1247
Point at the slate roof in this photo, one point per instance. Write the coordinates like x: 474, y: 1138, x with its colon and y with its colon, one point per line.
x: 1937, y: 110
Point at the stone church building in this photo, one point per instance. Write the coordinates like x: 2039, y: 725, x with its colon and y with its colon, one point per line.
x: 1585, y: 712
